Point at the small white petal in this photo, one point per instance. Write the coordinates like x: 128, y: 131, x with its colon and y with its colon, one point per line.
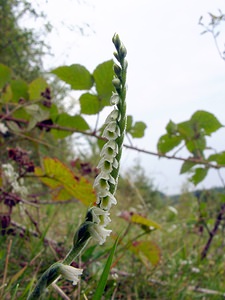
x: 100, y: 216
x: 113, y: 116
x: 3, y: 128
x: 99, y: 233
x: 106, y: 165
x: 114, y: 100
x: 70, y: 273
x: 111, y: 131
x: 107, y: 201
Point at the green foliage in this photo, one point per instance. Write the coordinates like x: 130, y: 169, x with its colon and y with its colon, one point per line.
x: 21, y: 49
x: 63, y: 183
x: 137, y: 129
x: 77, y: 76
x: 192, y: 134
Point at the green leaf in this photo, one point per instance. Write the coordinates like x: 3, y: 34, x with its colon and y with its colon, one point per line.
x: 197, y: 145
x: 199, y: 175
x: 36, y: 87
x: 147, y: 251
x: 218, y: 157
x: 103, y: 76
x: 64, y: 183
x: 103, y: 280
x: 186, y: 129
x: 5, y: 75
x: 186, y: 166
x: 166, y: 143
x: 206, y: 121
x: 138, y: 130
x: 171, y: 128
x: 76, y: 122
x: 19, y: 90
x: 76, y: 75
x: 90, y: 104
x: 6, y: 94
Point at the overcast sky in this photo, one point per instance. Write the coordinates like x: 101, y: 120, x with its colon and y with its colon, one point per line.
x: 173, y: 69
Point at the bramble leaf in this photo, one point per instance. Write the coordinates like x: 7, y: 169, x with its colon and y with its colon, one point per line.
x: 19, y: 89
x: 186, y: 166
x: 147, y: 251
x: 206, y: 121
x: 138, y: 219
x: 77, y: 76
x: 218, y: 157
x: 5, y: 75
x: 91, y: 104
x: 199, y: 175
x: 103, y: 76
x: 166, y: 143
x: 64, y: 183
x: 36, y: 87
x: 138, y: 130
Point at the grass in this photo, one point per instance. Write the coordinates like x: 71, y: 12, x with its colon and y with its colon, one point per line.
x: 180, y: 274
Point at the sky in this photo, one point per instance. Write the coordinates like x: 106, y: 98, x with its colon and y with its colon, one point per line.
x: 173, y: 69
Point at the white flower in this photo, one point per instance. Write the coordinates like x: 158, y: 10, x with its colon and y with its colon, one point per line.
x: 173, y: 210
x: 114, y: 100
x: 9, y: 173
x: 109, y: 150
x: 106, y: 201
x: 3, y: 128
x: 195, y: 270
x: 100, y: 216
x: 113, y: 116
x: 99, y: 233
x: 105, y: 164
x: 111, y: 131
x: 101, y: 182
x: 70, y: 273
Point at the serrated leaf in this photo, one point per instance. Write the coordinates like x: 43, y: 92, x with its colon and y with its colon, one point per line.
x: 147, y: 251
x: 19, y: 89
x: 65, y: 120
x: 138, y: 130
x: 199, y: 175
x: 218, y: 157
x: 206, y: 121
x: 77, y: 76
x: 138, y: 219
x: 186, y: 166
x: 166, y: 143
x: 36, y: 87
x: 91, y: 104
x: 5, y: 75
x: 60, y: 178
x: 103, y: 76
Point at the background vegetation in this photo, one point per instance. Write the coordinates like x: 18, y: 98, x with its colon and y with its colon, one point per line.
x: 169, y: 247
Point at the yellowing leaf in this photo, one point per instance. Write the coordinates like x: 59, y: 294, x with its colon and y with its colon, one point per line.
x: 138, y: 219
x: 147, y: 251
x: 64, y: 183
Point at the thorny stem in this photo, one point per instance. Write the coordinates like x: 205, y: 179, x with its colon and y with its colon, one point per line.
x: 213, y: 232
x: 93, y: 134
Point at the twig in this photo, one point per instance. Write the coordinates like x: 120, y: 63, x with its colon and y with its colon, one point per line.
x: 93, y: 134
x: 213, y: 232
x: 60, y: 292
